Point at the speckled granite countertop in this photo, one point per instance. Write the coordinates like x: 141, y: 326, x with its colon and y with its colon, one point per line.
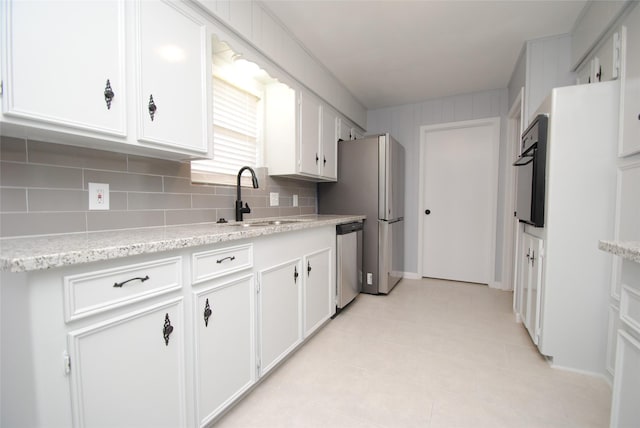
x: 627, y: 249
x: 45, y: 252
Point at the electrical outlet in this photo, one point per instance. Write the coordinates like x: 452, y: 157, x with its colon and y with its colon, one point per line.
x: 295, y: 200
x: 274, y: 199
x: 369, y: 278
x: 98, y: 196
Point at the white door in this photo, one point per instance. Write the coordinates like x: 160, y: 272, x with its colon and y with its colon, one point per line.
x: 309, y: 134
x: 459, y: 173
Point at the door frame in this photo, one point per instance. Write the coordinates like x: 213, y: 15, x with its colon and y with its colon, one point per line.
x: 494, y: 122
x: 511, y: 239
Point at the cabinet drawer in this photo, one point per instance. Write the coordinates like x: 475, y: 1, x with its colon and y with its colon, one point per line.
x: 224, y: 261
x: 91, y: 293
x: 630, y: 308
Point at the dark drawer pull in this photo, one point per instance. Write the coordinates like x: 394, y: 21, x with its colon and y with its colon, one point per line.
x: 232, y: 258
x: 167, y: 329
x: 141, y: 279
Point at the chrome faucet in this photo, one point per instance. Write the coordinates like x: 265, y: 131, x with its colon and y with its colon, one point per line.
x: 239, y: 208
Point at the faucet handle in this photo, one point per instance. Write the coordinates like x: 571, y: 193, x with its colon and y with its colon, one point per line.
x: 246, y: 208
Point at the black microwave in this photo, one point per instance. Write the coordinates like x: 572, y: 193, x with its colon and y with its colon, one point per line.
x: 531, y: 168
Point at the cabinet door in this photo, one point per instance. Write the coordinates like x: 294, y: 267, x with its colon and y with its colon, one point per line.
x: 130, y: 371
x: 318, y: 293
x: 625, y: 411
x: 329, y: 138
x: 280, y: 315
x: 344, y: 130
x: 630, y: 86
x: 61, y: 78
x: 531, y: 278
x: 309, y: 134
x: 225, y: 355
x: 172, y: 76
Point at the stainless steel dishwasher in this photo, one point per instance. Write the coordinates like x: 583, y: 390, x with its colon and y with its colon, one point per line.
x: 349, y: 263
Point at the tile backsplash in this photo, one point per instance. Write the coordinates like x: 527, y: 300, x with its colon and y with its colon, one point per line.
x: 44, y: 190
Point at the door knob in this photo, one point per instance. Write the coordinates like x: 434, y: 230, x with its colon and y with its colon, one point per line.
x: 427, y: 212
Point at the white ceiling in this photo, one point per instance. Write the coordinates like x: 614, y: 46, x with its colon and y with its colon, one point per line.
x: 396, y: 52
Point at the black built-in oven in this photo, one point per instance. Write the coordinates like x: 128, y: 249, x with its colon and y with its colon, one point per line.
x: 530, y: 173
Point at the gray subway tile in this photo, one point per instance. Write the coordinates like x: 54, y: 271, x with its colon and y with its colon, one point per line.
x: 117, y: 200
x: 79, y: 157
x: 175, y: 217
x: 113, y: 220
x: 212, y: 201
x: 285, y: 211
x: 26, y: 224
x: 154, y: 201
x: 255, y: 201
x: 183, y: 185
x: 226, y: 213
x: 225, y: 190
x: 58, y: 200
x: 144, y: 165
x: 27, y: 175
x: 308, y: 210
x: 13, y: 200
x: 13, y: 149
x: 122, y: 181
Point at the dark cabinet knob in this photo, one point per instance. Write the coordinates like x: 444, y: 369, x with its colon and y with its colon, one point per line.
x: 167, y: 329
x: 152, y: 107
x: 427, y: 212
x: 108, y: 94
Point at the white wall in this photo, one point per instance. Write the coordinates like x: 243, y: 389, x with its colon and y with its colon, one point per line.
x: 404, y: 122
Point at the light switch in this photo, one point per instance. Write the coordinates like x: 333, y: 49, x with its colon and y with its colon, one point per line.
x: 295, y: 200
x: 274, y: 199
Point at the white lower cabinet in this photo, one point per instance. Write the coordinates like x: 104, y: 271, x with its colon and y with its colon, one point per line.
x: 129, y: 370
x: 318, y: 293
x: 625, y: 411
x: 225, y: 344
x: 279, y: 296
x: 168, y: 341
x: 530, y: 283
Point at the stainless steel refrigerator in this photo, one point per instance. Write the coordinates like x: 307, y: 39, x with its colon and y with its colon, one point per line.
x: 371, y: 182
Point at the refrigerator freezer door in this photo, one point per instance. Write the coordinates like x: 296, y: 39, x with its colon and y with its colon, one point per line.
x: 391, y: 162
x: 391, y: 254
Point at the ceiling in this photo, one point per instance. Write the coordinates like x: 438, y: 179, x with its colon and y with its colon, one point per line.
x: 397, y: 52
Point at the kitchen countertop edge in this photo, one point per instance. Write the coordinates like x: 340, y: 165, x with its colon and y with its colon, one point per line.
x: 50, y: 251
x: 629, y: 250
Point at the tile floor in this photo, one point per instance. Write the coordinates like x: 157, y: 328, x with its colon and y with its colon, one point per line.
x: 431, y: 354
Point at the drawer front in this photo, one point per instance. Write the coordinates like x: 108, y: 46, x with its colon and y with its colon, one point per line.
x: 224, y: 261
x: 630, y: 308
x: 91, y: 293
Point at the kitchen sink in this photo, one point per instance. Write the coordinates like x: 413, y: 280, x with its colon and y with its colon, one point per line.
x: 265, y: 223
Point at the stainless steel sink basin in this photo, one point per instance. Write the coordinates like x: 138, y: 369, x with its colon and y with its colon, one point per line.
x: 264, y: 223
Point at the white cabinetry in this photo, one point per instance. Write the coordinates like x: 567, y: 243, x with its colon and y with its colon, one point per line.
x: 225, y: 344
x: 300, y: 135
x: 280, y: 297
x: 146, y: 346
x: 172, y: 76
x: 530, y: 270
x: 59, y: 75
x: 296, y: 291
x: 143, y: 342
x: 104, y: 62
x: 318, y: 292
x: 630, y: 85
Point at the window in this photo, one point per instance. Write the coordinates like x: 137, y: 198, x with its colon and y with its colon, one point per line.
x: 235, y: 135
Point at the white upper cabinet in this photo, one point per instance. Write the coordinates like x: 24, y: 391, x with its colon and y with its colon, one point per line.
x: 329, y: 143
x: 300, y: 135
x: 310, y: 156
x: 630, y: 85
x: 64, y: 64
x: 172, y: 75
x: 84, y: 73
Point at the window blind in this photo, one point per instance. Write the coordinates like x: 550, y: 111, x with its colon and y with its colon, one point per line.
x: 235, y: 134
